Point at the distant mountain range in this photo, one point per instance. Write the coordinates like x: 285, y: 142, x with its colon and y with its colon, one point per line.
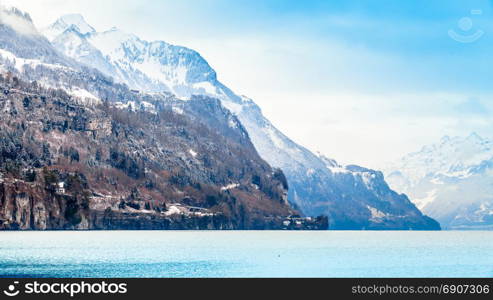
x: 99, y: 66
x: 451, y: 181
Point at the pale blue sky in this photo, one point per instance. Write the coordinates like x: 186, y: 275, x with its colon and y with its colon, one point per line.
x: 361, y: 81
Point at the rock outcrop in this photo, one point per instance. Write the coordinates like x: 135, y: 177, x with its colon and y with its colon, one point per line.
x: 67, y: 164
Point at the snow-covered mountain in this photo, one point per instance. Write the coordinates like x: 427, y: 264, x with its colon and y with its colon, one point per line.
x: 147, y: 66
x: 26, y: 52
x: 451, y: 181
x: 128, y: 160
x: 353, y: 197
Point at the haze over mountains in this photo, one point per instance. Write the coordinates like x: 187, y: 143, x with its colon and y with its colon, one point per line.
x: 353, y: 197
x: 451, y: 181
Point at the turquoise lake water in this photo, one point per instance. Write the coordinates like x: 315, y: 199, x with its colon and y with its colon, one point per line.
x: 246, y: 254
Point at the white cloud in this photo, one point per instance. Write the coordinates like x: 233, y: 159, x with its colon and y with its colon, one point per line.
x: 18, y: 23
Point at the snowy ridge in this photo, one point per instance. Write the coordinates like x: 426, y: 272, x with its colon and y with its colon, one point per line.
x: 74, y: 20
x: 18, y: 20
x: 453, y: 157
x: 317, y: 186
x: 21, y: 65
x: 142, y: 65
x: 450, y: 180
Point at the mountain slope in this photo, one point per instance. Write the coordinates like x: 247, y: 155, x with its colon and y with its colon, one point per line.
x: 314, y: 188
x: 96, y: 164
x: 451, y: 181
x: 78, y: 151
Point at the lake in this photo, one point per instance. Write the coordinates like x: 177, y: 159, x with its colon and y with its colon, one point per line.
x: 246, y: 254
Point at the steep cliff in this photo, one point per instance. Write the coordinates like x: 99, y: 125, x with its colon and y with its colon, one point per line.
x: 315, y: 188
x: 69, y: 164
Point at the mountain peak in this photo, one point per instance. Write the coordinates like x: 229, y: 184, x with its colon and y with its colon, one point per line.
x: 73, y: 22
x: 445, y: 139
x: 446, y: 157
x: 18, y: 20
x: 10, y: 10
x: 77, y: 20
x: 475, y: 137
x: 449, y: 181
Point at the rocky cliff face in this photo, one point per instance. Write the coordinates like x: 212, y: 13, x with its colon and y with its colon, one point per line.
x: 67, y: 164
x: 371, y: 204
x: 78, y: 151
x: 94, y: 69
x: 161, y: 67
